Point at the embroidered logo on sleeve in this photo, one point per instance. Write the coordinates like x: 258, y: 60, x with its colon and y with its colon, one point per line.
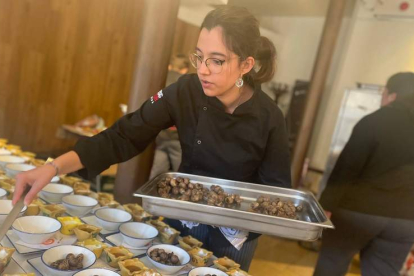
x: 156, y: 97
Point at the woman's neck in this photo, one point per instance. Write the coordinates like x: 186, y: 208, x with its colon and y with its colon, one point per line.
x: 234, y: 97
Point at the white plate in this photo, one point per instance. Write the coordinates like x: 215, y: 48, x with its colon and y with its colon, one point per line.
x: 29, y: 249
x: 116, y: 239
x: 93, y: 221
x: 13, y: 238
x: 43, y: 270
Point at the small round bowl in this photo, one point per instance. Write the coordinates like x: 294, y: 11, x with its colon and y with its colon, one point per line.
x: 138, y: 234
x: 3, y: 195
x: 5, y: 208
x: 60, y: 252
x: 35, y: 229
x: 55, y: 179
x: 54, y: 193
x: 110, y: 219
x: 78, y: 205
x: 13, y: 169
x: 96, y: 271
x: 206, y: 270
x: 5, y: 152
x: 10, y: 159
x: 182, y: 255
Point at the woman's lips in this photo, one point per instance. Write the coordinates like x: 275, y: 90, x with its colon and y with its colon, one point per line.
x: 206, y: 84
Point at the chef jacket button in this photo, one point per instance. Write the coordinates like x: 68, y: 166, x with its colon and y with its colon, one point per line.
x: 199, y: 142
x: 205, y: 108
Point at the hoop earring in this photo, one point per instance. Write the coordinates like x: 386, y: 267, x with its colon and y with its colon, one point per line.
x: 239, y: 82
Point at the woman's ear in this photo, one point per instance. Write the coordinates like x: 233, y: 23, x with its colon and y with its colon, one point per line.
x: 247, y: 65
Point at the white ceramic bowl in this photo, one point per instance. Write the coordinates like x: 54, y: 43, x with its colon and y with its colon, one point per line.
x: 5, y: 208
x: 182, y: 255
x: 54, y: 193
x: 78, y: 205
x: 138, y: 234
x: 60, y: 252
x: 55, y: 179
x: 13, y: 169
x: 10, y: 159
x: 5, y: 152
x: 110, y: 219
x: 3, y: 194
x: 96, y: 271
x: 206, y: 270
x: 35, y: 229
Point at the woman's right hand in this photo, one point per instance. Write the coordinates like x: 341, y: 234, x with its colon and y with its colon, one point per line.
x: 36, y: 178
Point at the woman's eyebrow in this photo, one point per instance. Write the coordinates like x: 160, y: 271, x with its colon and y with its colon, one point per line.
x: 212, y: 53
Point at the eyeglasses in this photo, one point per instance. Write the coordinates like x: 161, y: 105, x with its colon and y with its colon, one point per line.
x: 215, y: 65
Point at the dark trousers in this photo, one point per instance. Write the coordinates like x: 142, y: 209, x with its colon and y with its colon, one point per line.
x: 383, y: 244
x: 214, y: 241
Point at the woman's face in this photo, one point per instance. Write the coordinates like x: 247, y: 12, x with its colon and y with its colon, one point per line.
x: 211, y: 45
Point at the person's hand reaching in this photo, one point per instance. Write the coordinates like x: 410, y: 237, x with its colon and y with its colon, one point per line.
x: 36, y: 178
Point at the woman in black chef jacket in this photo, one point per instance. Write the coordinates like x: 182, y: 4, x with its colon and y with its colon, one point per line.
x: 228, y: 127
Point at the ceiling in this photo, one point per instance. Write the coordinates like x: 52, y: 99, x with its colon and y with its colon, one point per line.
x: 312, y: 8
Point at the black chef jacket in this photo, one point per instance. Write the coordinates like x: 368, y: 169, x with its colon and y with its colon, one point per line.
x: 249, y: 145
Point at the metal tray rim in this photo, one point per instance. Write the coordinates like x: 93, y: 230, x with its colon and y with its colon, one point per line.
x: 325, y: 224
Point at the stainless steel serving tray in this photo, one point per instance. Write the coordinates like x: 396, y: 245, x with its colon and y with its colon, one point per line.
x: 309, y: 226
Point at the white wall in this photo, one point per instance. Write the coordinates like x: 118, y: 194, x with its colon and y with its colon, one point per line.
x: 376, y: 50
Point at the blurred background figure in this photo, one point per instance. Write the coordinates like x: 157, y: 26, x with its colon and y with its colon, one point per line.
x: 167, y: 156
x: 371, y: 188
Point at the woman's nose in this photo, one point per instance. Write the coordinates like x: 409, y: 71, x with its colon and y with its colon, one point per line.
x: 203, y: 69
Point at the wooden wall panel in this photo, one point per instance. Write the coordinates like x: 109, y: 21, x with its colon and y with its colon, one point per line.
x: 185, y: 39
x: 62, y: 60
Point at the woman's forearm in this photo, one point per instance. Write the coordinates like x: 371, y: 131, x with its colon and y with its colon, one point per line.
x: 68, y: 162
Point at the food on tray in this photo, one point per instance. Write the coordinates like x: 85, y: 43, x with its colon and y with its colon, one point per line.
x: 5, y: 257
x: 52, y: 210
x: 142, y: 216
x: 37, y: 162
x: 183, y: 189
x: 107, y: 199
x: 167, y: 234
x: 159, y: 255
x: 70, y: 180
x: 188, y: 242
x: 34, y: 208
x: 132, y: 208
x: 69, y: 224
x: 86, y: 231
x: 131, y: 267
x: 237, y: 272
x: 27, y: 155
x: 225, y: 264
x: 199, y: 256
x: 82, y: 188
x: 97, y: 247
x: 276, y: 207
x: 8, y: 185
x: 71, y: 262
x: 117, y: 254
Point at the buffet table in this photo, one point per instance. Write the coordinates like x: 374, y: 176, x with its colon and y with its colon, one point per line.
x: 55, y: 205
x: 28, y: 260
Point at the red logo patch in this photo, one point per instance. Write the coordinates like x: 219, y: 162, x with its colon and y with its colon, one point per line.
x: 156, y: 97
